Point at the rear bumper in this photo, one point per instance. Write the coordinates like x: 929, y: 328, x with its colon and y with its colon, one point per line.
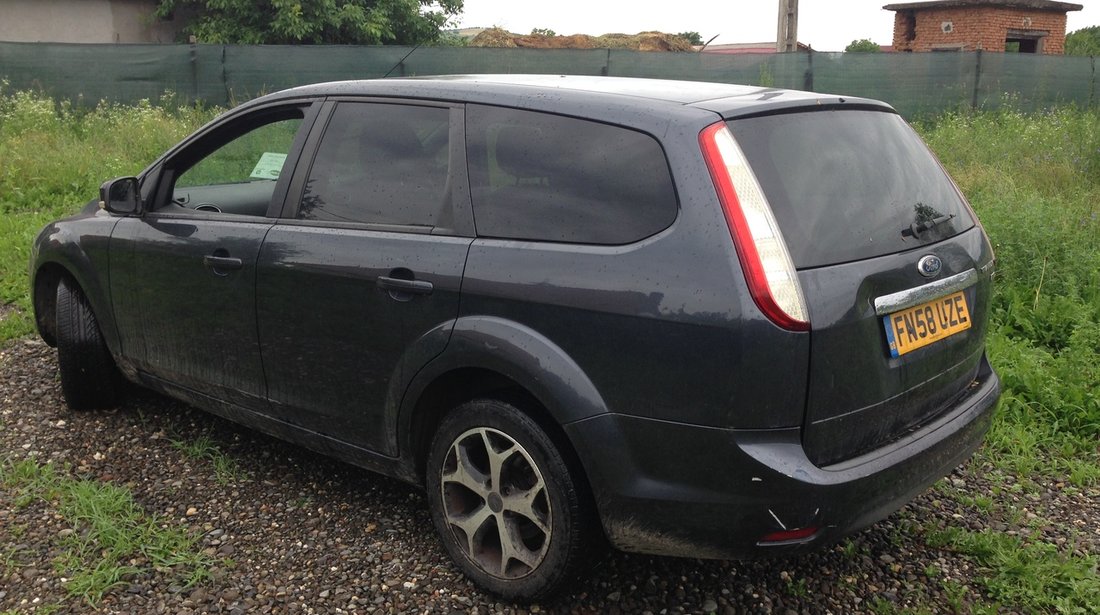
x: 684, y: 490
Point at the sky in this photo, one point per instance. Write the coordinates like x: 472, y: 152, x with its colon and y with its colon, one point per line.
x: 825, y: 25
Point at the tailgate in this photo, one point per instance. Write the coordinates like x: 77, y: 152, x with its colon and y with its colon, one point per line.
x: 892, y: 264
x: 861, y: 395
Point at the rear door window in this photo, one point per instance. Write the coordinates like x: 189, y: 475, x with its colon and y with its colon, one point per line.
x: 850, y: 185
x: 552, y: 178
x: 380, y: 164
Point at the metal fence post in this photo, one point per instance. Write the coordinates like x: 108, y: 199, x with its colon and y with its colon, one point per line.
x: 977, y: 80
x: 808, y: 78
x: 225, y: 80
x: 1092, y: 82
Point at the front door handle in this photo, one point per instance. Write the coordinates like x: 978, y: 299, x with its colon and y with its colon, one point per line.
x: 221, y: 264
x: 412, y: 287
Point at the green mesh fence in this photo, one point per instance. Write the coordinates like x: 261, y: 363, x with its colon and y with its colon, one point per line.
x: 916, y: 84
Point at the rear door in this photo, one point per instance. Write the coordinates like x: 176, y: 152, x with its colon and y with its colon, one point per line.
x: 893, y: 266
x: 361, y: 278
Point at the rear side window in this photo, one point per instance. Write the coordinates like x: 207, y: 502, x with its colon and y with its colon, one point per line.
x: 546, y: 177
x: 849, y: 185
x: 380, y: 164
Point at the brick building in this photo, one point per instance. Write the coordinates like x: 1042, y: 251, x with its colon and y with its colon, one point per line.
x: 1027, y: 26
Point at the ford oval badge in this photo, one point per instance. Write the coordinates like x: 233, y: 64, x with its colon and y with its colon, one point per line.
x: 929, y: 266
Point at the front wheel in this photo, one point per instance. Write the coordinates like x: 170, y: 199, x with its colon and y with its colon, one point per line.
x: 505, y: 503
x: 89, y: 378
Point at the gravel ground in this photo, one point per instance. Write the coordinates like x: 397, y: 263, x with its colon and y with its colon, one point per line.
x: 296, y: 532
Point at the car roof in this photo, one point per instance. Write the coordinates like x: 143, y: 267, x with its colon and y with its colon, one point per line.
x: 728, y: 100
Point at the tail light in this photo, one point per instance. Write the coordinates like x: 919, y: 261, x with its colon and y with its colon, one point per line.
x: 768, y: 268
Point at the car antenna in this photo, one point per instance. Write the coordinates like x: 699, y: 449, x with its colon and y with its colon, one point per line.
x: 402, y: 60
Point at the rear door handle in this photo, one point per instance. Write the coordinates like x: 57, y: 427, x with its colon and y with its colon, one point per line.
x: 412, y: 287
x: 221, y: 263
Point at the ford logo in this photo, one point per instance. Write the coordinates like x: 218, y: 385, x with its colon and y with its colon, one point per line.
x: 929, y: 266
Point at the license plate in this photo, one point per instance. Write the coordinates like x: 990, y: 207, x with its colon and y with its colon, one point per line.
x: 919, y: 326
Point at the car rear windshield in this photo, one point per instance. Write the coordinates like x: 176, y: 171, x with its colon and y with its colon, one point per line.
x: 849, y: 185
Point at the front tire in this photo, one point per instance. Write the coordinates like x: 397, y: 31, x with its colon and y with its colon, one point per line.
x: 505, y: 503
x: 89, y: 378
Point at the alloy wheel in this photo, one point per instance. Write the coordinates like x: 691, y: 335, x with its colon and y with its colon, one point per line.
x: 495, y: 503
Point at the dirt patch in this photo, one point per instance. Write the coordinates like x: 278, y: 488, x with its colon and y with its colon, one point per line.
x: 7, y: 310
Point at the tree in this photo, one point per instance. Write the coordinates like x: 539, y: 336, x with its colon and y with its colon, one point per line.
x: 364, y: 22
x: 863, y: 45
x: 543, y: 32
x: 692, y: 37
x: 1083, y: 42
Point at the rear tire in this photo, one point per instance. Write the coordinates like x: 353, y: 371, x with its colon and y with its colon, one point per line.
x: 505, y: 503
x: 89, y: 378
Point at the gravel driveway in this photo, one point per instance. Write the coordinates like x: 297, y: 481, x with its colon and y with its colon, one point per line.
x: 295, y: 532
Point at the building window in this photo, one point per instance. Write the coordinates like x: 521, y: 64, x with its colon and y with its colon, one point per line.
x: 1025, y: 41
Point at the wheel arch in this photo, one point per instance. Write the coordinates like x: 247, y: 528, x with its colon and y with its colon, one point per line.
x: 47, y: 277
x: 60, y: 251
x: 458, y: 386
x: 44, y: 300
x: 490, y: 357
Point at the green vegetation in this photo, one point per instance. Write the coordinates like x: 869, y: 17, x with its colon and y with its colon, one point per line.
x: 1030, y: 575
x: 1033, y: 178
x: 1083, y: 42
x: 54, y: 159
x: 111, y: 538
x: 863, y: 45
x: 226, y: 470
x: 692, y: 37
x: 360, y: 22
x: 1035, y: 182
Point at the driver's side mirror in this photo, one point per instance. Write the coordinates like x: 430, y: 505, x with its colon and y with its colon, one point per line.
x: 121, y: 195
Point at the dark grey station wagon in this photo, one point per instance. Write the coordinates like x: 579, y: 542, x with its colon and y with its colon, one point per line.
x: 686, y: 318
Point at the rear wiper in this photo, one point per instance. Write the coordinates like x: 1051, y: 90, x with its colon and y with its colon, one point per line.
x: 916, y: 228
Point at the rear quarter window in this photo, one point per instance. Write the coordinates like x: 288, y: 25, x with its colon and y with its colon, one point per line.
x: 547, y: 177
x: 849, y: 185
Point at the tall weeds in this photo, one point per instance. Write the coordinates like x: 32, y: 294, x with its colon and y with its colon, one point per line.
x: 1034, y: 180
x: 54, y: 156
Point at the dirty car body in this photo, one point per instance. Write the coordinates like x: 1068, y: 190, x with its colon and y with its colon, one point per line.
x: 746, y: 321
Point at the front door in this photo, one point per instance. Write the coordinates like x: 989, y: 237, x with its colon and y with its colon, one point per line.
x: 184, y: 273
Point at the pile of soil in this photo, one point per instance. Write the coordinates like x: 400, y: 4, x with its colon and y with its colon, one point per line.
x: 643, y: 41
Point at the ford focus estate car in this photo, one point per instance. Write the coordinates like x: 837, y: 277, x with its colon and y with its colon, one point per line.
x: 686, y: 319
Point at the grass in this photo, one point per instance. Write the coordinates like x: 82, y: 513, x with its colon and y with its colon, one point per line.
x: 112, y: 537
x: 226, y: 470
x: 55, y: 156
x: 1034, y: 180
x: 1032, y: 575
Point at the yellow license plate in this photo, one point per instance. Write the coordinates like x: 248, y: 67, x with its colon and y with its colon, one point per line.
x: 919, y: 326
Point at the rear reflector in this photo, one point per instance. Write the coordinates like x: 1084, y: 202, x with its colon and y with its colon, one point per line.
x: 801, y: 533
x: 768, y: 268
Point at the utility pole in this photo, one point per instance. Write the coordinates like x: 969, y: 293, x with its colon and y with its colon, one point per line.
x: 787, y: 37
